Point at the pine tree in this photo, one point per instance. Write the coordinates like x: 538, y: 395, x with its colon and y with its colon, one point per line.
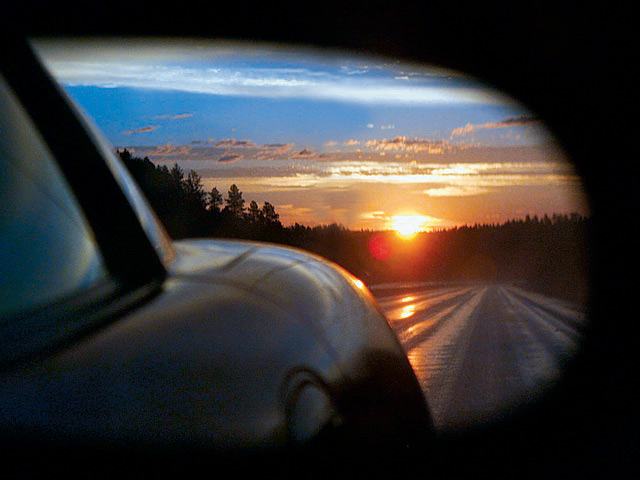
x: 254, y: 214
x: 269, y: 213
x: 235, y: 202
x: 194, y: 190
x: 215, y: 201
x: 177, y: 174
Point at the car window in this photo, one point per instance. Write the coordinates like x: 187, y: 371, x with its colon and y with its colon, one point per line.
x: 47, y: 251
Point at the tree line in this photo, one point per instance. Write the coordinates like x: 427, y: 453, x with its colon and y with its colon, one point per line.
x: 187, y: 210
x: 547, y: 254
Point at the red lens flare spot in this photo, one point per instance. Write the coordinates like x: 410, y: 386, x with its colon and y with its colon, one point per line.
x: 379, y: 247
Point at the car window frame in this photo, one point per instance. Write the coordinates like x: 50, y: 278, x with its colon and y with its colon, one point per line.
x: 79, y: 156
x: 134, y: 266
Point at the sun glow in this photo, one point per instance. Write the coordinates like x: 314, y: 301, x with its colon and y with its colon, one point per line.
x: 408, y: 226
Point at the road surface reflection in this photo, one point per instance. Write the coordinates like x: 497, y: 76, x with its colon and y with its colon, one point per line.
x: 478, y: 351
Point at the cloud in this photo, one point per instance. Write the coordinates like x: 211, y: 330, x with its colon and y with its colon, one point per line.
x: 289, y: 210
x: 169, y: 149
x: 509, y: 122
x: 410, y: 145
x: 330, y: 143
x: 454, y: 191
x: 230, y: 157
x: 150, y: 128
x: 278, y: 147
x: 375, y: 215
x: 350, y: 143
x: 130, y: 69
x: 232, y: 142
x: 173, y: 117
x: 304, y: 153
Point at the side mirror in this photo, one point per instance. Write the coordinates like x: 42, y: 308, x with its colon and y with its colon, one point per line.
x: 452, y: 202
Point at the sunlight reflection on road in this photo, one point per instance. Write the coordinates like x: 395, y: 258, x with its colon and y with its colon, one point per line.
x: 479, y: 351
x: 407, y: 311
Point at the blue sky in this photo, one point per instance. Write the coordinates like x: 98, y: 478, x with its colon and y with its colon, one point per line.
x: 184, y: 117
x: 355, y: 140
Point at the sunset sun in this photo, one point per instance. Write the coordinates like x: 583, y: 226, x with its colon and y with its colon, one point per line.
x: 407, y: 226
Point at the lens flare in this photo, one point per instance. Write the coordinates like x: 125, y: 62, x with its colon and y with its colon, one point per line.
x: 379, y: 247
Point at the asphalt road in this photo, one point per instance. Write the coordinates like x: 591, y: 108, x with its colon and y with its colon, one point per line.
x: 479, y: 351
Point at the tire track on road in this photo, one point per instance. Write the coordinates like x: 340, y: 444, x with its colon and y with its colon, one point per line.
x: 479, y: 352
x: 405, y: 317
x: 550, y: 333
x: 437, y: 359
x: 559, y: 315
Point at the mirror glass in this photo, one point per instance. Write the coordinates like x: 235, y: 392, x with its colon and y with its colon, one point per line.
x: 452, y: 202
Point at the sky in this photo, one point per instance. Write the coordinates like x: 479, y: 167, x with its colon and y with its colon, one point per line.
x: 324, y: 136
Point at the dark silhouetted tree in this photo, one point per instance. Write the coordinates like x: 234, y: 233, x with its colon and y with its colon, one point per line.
x: 214, y: 202
x: 235, y: 202
x: 194, y: 190
x: 254, y: 214
x: 269, y: 214
x: 177, y: 173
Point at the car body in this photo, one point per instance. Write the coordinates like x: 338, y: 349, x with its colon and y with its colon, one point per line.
x: 228, y: 346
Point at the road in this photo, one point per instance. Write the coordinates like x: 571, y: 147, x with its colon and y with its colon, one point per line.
x: 479, y: 350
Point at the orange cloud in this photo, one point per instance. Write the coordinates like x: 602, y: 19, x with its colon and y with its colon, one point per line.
x: 169, y: 149
x: 509, y: 122
x: 410, y: 145
x: 278, y: 147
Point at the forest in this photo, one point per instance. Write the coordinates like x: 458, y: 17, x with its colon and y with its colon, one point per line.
x: 548, y: 254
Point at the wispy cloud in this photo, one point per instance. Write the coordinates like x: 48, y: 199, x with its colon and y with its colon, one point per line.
x: 406, y: 144
x: 147, y: 129
x: 170, y: 149
x: 509, y: 122
x: 230, y: 157
x: 312, y: 82
x: 277, y: 148
x: 456, y: 191
x: 173, y: 117
x: 232, y: 142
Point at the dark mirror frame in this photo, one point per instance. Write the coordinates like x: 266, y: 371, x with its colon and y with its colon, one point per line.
x: 568, y: 63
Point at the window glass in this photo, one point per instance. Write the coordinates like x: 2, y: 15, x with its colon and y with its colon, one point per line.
x: 47, y: 250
